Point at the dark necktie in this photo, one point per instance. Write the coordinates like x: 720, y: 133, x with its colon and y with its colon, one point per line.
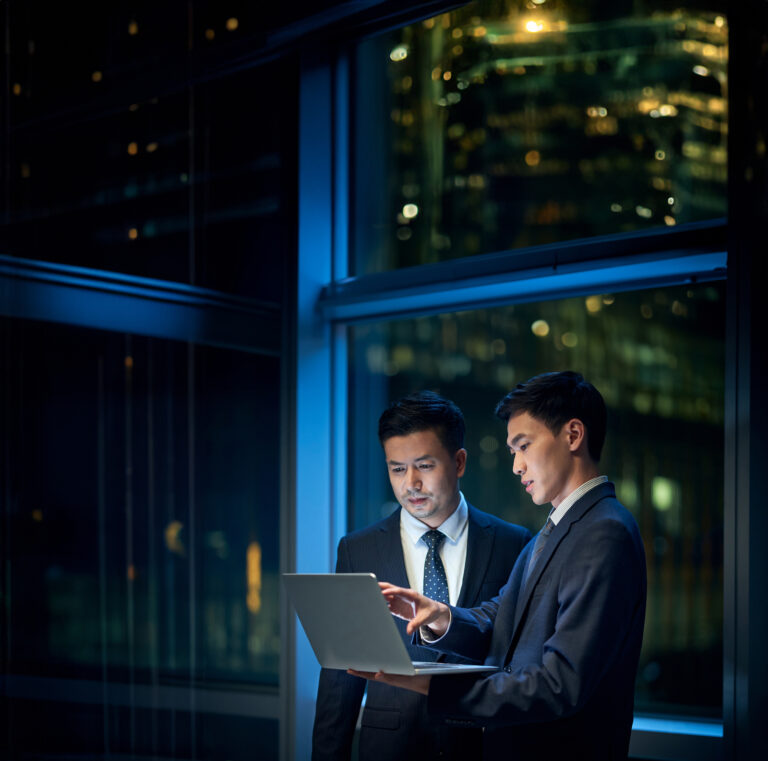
x: 538, y: 546
x: 435, y: 581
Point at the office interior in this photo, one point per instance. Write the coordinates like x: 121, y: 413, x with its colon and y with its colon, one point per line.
x: 233, y: 232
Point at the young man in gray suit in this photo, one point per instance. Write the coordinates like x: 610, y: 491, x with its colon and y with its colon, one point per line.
x: 566, y: 630
x: 437, y: 543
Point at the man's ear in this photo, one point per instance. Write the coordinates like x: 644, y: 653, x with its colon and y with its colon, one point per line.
x: 461, y: 462
x: 576, y: 434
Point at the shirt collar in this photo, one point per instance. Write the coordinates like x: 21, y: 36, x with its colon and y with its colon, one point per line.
x: 557, y: 514
x: 452, y: 527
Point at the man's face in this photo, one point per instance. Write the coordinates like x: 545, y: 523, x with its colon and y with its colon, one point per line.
x: 424, y: 475
x: 542, y: 459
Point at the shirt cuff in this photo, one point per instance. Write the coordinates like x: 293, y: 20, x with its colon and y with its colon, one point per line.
x: 429, y: 637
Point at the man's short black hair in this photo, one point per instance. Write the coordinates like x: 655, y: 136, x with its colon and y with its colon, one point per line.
x: 424, y: 411
x: 556, y: 398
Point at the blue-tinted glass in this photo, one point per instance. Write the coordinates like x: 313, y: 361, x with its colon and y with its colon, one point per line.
x: 140, y: 486
x: 502, y: 125
x: 657, y: 356
x: 128, y: 152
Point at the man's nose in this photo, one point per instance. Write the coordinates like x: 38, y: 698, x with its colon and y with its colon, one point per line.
x: 413, y: 478
x: 518, y: 465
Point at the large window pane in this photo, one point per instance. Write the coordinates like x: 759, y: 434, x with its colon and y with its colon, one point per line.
x: 126, y: 154
x: 140, y: 484
x: 658, y: 358
x: 513, y: 123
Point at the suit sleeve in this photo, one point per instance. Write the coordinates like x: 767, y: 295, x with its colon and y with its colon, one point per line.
x: 595, y: 606
x: 339, y: 696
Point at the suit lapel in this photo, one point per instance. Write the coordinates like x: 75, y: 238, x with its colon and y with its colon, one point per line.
x: 574, y: 514
x: 480, y: 537
x: 390, y: 550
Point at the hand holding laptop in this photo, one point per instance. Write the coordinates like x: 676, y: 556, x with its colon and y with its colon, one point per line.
x: 347, y: 619
x: 417, y: 683
x: 416, y: 609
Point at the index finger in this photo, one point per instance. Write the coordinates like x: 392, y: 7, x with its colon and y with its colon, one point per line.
x: 390, y: 590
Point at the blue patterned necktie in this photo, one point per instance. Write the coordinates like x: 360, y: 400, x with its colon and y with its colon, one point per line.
x: 538, y: 546
x: 435, y: 581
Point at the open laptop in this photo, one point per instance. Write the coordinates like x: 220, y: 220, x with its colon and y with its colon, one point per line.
x: 349, y: 625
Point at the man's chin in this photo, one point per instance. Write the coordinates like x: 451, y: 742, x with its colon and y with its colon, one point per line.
x: 425, y: 511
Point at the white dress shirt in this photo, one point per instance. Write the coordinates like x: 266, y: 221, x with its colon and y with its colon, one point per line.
x: 453, y: 549
x: 557, y: 514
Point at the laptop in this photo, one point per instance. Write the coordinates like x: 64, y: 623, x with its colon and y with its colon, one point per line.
x: 349, y: 625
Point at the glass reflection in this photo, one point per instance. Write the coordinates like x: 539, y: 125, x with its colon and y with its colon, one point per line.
x: 510, y: 124
x: 658, y: 358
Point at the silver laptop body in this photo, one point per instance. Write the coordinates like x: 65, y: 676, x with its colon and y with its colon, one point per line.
x: 349, y: 625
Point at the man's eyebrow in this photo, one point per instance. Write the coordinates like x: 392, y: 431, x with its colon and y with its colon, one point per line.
x: 417, y: 459
x: 517, y: 438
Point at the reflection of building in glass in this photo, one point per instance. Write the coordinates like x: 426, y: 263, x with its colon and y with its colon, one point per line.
x: 658, y: 358
x: 518, y: 124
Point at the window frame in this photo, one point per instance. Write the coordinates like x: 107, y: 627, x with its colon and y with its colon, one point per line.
x: 688, y: 253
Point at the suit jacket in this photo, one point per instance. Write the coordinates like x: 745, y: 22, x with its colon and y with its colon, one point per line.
x: 395, y: 725
x: 567, y: 641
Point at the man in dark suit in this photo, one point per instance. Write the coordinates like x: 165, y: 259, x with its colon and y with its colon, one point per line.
x: 566, y: 629
x: 423, y: 440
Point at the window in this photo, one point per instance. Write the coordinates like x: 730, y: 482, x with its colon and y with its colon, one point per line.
x: 141, y: 476
x: 657, y: 356
x: 123, y: 160
x: 505, y: 125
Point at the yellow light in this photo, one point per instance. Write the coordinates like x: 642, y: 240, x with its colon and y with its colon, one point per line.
x: 37, y: 515
x: 253, y: 574
x: 133, y: 28
x: 25, y: 171
x: 133, y: 107
x: 133, y: 233
x: 570, y: 340
x: 540, y: 328
x: 669, y: 220
x: 209, y: 34
x: 410, y: 210
x: 479, y: 31
x: 400, y: 53
x: 232, y: 24
x: 151, y: 147
x: 133, y: 149
x: 447, y: 75
x: 131, y: 572
x: 532, y: 158
x: 593, y: 304
x: 533, y: 26
x: 96, y: 76
x: 129, y: 362
x: 16, y: 88
x: 702, y: 71
x: 172, y: 540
